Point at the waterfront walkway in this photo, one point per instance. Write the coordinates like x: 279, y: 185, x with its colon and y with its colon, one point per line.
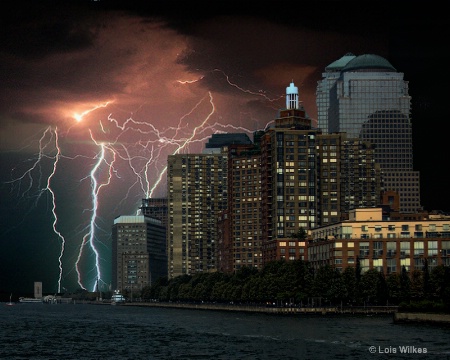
x: 273, y: 309
x: 398, y: 317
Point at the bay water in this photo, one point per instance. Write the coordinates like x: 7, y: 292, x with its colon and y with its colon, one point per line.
x: 86, y: 331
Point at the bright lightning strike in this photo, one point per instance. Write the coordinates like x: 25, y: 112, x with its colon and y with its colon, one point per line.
x: 183, y: 82
x: 108, y: 154
x: 79, y: 117
x: 55, y: 215
x: 96, y: 186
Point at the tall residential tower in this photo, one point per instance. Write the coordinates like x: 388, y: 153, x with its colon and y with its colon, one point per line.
x: 197, y: 193
x: 288, y: 180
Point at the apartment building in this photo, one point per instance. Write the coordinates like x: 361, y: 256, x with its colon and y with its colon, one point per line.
x: 384, y: 245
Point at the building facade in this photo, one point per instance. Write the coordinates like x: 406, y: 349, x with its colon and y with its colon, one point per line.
x: 309, y: 179
x: 288, y: 179
x: 348, y: 177
x: 244, y: 216
x: 139, y: 255
x: 197, y: 192
x: 225, y: 259
x: 384, y: 245
x: 155, y: 208
x: 368, y: 99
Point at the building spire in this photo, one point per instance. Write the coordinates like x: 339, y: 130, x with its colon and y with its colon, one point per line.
x: 292, y: 96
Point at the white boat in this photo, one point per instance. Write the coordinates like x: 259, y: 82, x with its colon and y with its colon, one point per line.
x: 30, y: 300
x: 117, y: 298
x: 50, y: 299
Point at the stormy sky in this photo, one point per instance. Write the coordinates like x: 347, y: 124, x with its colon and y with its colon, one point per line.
x: 94, y: 95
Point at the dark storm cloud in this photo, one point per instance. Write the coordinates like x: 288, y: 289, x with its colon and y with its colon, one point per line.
x: 266, y: 46
x: 55, y: 53
x: 33, y: 30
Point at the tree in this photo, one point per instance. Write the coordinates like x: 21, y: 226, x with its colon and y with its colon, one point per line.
x: 358, y: 269
x: 440, y: 284
x: 185, y: 292
x: 253, y: 290
x: 382, y: 290
x: 243, y: 274
x: 174, y: 285
x: 394, y: 292
x: 370, y: 285
x: 338, y: 289
x: 301, y: 234
x: 405, y: 285
x: 349, y: 279
x: 269, y: 283
x: 417, y: 285
x: 426, y: 280
x: 218, y: 291
x: 358, y: 275
x: 200, y: 292
x: 272, y: 267
x: 436, y: 282
x: 322, y: 286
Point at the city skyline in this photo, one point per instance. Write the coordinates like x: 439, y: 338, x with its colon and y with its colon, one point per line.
x: 79, y: 82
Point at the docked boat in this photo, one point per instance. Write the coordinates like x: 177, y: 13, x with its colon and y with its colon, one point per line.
x: 117, y: 298
x: 30, y: 300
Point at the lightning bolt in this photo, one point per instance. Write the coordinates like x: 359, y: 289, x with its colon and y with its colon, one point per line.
x: 259, y: 93
x: 96, y: 186
x: 143, y: 160
x: 79, y: 117
x: 186, y: 142
x: 183, y: 82
x: 48, y: 137
x: 55, y: 216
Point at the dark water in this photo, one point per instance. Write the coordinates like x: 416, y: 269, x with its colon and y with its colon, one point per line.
x: 68, y: 331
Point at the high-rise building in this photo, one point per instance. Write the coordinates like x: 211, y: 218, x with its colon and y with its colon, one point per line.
x: 218, y: 141
x: 139, y: 255
x: 240, y: 231
x: 197, y: 196
x: 288, y: 180
x: 155, y: 208
x: 330, y: 77
x: 367, y: 98
x: 225, y: 259
x: 197, y: 192
x: 348, y: 177
x: 309, y: 179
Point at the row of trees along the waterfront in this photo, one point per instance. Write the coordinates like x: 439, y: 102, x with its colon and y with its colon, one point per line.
x: 295, y: 283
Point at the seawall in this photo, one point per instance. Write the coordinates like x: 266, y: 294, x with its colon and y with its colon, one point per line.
x: 405, y: 317
x: 272, y: 309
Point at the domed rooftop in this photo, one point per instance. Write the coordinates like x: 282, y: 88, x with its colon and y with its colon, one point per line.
x: 339, y: 64
x: 368, y: 61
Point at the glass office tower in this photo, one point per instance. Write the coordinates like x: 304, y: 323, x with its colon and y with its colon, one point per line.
x: 330, y: 76
x: 368, y: 99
